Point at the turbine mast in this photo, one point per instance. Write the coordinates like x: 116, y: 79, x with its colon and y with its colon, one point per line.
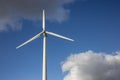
x: 44, y: 74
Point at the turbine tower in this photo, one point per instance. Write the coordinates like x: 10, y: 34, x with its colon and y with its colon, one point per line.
x: 45, y: 33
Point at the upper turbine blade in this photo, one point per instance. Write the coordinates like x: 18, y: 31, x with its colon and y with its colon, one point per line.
x: 43, y: 21
x: 60, y: 36
x: 31, y: 39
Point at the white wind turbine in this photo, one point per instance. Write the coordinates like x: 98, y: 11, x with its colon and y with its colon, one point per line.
x: 45, y: 33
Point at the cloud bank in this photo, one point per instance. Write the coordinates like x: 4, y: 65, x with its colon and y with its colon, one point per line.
x: 92, y: 66
x: 12, y: 11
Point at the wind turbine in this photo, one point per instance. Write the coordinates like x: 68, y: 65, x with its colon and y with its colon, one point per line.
x: 45, y: 33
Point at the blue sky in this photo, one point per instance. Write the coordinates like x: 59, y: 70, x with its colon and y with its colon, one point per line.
x: 93, y: 24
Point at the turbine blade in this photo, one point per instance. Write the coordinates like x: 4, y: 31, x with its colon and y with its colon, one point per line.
x: 43, y: 22
x: 31, y: 39
x: 60, y: 36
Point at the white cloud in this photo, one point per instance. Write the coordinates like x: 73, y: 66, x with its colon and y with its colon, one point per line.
x: 12, y: 10
x: 92, y: 66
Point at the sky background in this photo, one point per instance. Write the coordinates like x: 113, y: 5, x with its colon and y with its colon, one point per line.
x: 93, y: 24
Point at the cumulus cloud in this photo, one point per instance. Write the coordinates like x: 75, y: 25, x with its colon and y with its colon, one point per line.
x: 11, y: 11
x: 92, y: 66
